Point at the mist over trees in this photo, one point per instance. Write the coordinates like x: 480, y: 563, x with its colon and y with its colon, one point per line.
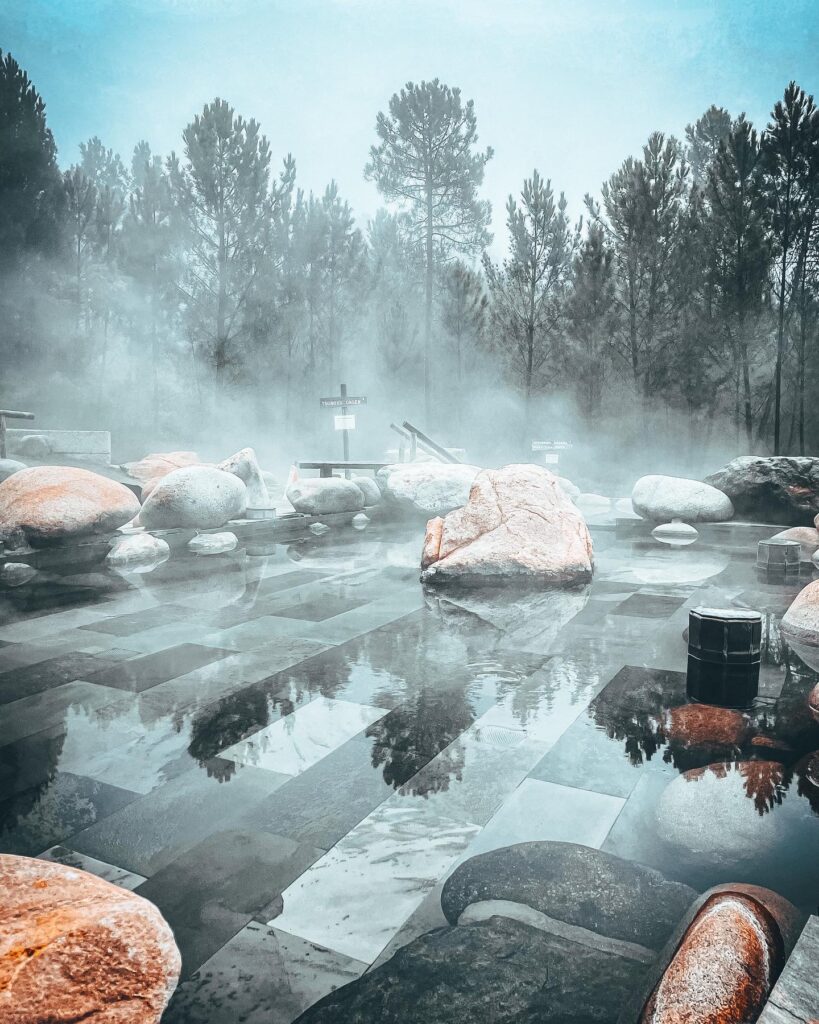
x: 150, y: 292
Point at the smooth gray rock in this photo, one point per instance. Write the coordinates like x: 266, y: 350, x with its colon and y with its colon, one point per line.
x: 319, y: 496
x: 15, y: 574
x: 197, y: 497
x: 777, y: 489
x: 245, y: 465
x: 35, y: 446
x: 498, y: 971
x: 138, y: 549
x: 427, y: 488
x: 576, y: 884
x: 662, y: 498
x: 369, y: 488
x: 213, y: 543
x: 9, y: 467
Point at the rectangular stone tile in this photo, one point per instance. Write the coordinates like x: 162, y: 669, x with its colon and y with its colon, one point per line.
x: 160, y: 638
x: 368, y: 617
x: 474, y: 775
x: 129, y: 623
x: 157, y: 828
x: 359, y: 894
x: 545, y: 811
x: 249, y: 635
x: 261, y: 976
x: 584, y: 757
x: 298, y: 741
x: 30, y: 762
x: 109, y: 872
x: 795, y: 997
x: 45, y: 710
x: 126, y: 747
x: 33, y: 629
x: 142, y: 673
x: 323, y: 803
x: 46, y: 675
x: 38, y: 818
x: 319, y: 608
x: 230, y: 675
x: 214, y: 889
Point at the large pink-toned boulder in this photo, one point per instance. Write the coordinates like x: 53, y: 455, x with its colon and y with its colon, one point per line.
x: 518, y: 522
x: 76, y: 948
x: 50, y: 503
x: 159, y: 464
x: 724, y: 966
x: 800, y: 624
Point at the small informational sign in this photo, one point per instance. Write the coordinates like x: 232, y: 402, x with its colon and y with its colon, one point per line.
x: 345, y: 422
x: 551, y: 446
x: 550, y: 458
x: 337, y: 403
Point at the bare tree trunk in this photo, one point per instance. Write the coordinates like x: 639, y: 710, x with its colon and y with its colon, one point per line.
x: 428, y: 313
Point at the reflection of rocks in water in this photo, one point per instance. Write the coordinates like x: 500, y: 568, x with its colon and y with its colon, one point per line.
x: 660, y: 565
x: 807, y: 774
x: 632, y: 706
x: 518, y: 618
x: 411, y: 735
x: 697, y: 734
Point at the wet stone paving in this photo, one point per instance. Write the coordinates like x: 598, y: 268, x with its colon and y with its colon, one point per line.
x: 289, y: 748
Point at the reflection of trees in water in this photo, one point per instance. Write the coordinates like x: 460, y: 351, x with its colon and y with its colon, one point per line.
x: 631, y: 709
x: 636, y: 708
x: 230, y: 720
x: 413, y: 734
x: 764, y: 782
x: 27, y: 768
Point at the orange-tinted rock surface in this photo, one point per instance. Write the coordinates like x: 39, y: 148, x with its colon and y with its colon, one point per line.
x: 159, y: 464
x: 723, y: 968
x: 518, y: 522
x: 696, y: 725
x: 51, y: 503
x: 76, y: 948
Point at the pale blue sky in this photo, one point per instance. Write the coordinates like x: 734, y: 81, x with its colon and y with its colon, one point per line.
x: 569, y: 87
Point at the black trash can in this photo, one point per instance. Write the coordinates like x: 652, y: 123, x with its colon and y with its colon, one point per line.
x: 778, y: 555
x: 723, y: 656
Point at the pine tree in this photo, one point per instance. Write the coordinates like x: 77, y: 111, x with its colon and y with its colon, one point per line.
x: 528, y: 288
x: 29, y: 179
x: 786, y: 147
x: 427, y: 162
x: 227, y: 206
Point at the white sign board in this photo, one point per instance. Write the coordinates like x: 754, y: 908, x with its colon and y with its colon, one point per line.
x: 551, y: 446
x: 345, y: 422
x: 550, y: 458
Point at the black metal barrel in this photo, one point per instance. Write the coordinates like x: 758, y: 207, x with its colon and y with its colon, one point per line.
x: 724, y: 655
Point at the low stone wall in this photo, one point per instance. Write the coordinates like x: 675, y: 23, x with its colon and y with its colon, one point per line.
x: 82, y: 445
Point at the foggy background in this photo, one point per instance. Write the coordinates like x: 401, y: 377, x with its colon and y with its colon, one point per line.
x: 645, y: 329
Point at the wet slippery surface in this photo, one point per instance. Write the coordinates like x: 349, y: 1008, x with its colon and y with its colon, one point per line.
x: 289, y: 752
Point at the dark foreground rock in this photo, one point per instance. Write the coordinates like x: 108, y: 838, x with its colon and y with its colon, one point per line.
x: 779, y: 489
x: 575, y: 884
x: 498, y: 971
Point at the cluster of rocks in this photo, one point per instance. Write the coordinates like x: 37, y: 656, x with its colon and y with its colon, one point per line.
x: 555, y: 931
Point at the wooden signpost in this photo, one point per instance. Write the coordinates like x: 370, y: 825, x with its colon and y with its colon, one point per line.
x: 345, y: 421
x: 10, y: 415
